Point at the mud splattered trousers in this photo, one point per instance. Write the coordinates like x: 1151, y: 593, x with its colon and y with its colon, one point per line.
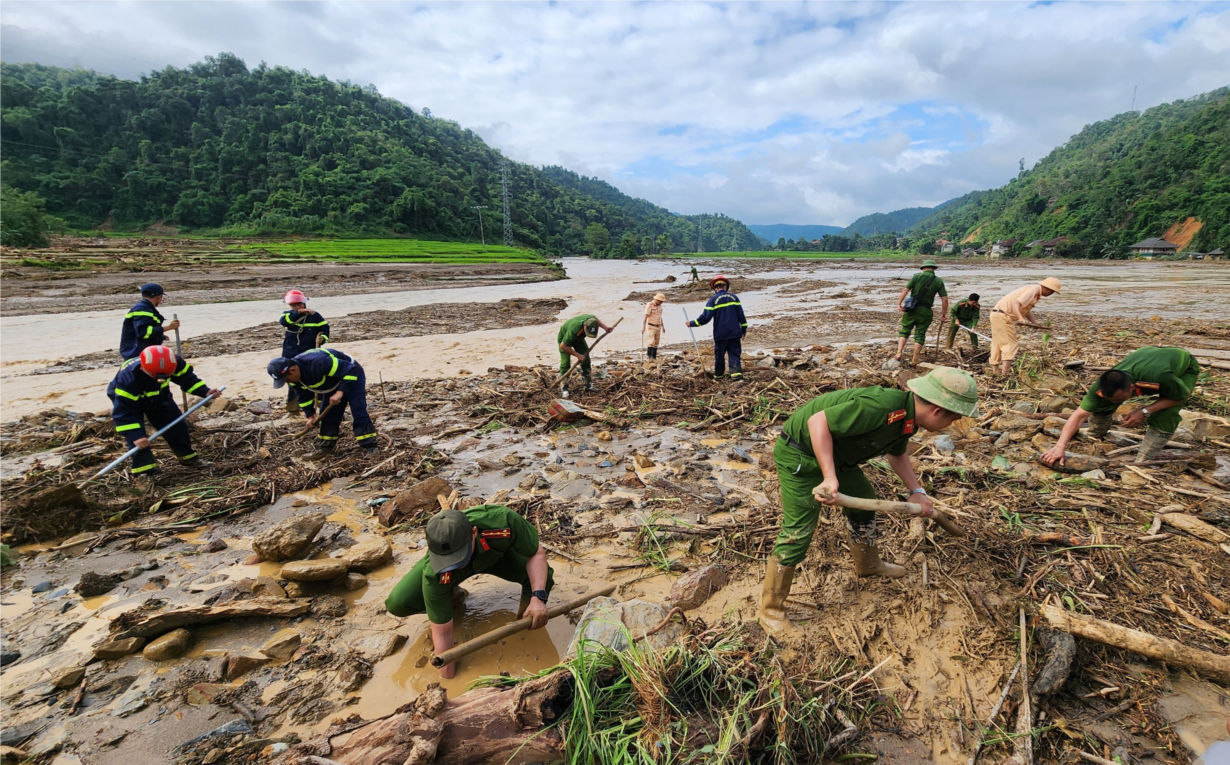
x: 918, y: 321
x: 330, y: 425
x: 565, y: 359
x: 159, y: 411
x: 407, y: 595
x: 799, y: 473
x: 732, y: 349
x: 953, y: 329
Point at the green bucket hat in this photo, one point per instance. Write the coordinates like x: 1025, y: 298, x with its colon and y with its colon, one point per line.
x: 950, y: 388
x: 450, y: 540
x: 929, y: 263
x: 591, y: 327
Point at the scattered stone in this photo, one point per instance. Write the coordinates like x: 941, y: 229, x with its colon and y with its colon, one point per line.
x: 1094, y: 475
x: 214, y: 545
x: 1014, y: 422
x: 643, y: 462
x: 695, y: 587
x: 295, y: 590
x: 630, y: 480
x: 608, y: 622
x: 329, y: 606
x: 604, y: 435
x: 1025, y: 407
x: 944, y: 444
x: 299, y: 502
x: 370, y: 555
x: 892, y: 365
x: 133, y: 700
x: 144, y: 543
x: 375, y: 647
x: 13, y: 754
x: 232, y: 728
x: 41, y: 587
x: 118, y: 649
x: 1057, y: 384
x: 8, y: 657
x: 259, y: 407
x: 220, y: 405
x: 67, y: 677
x: 420, y: 498
x: 353, y: 582
x: 288, y: 539
x: 314, y: 570
x: 1041, y: 442
x: 267, y: 587
x: 239, y: 665
x: 170, y: 646
x: 282, y: 645
x: 93, y: 584
x: 578, y: 488
x: 511, y: 460
x: 1054, y: 405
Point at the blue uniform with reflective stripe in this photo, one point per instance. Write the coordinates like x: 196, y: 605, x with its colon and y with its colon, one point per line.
x: 324, y: 371
x: 302, y: 329
x: 137, y: 397
x: 726, y: 313
x: 142, y: 328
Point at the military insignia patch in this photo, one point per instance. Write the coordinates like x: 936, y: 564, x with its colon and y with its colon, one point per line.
x: 483, y: 544
x: 895, y: 416
x: 496, y: 534
x: 908, y: 427
x: 446, y: 577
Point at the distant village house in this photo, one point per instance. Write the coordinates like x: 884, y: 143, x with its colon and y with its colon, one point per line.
x: 1151, y: 248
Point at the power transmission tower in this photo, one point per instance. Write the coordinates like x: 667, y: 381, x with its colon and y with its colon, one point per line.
x: 700, y: 236
x: 480, y: 209
x: 508, y: 232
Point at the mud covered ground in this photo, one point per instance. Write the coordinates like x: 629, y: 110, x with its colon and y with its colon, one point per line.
x: 415, y: 321
x: 675, y: 474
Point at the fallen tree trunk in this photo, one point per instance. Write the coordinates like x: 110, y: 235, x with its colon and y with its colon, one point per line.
x: 1210, y: 665
x: 139, y: 624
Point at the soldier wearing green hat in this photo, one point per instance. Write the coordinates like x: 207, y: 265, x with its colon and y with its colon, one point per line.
x: 915, y: 304
x: 486, y: 539
x: 823, y: 444
x: 572, y: 339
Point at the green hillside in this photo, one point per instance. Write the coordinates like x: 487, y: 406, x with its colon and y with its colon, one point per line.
x: 1135, y: 176
x: 895, y: 222
x: 220, y: 147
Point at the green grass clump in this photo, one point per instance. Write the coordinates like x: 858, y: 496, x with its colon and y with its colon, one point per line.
x: 397, y: 250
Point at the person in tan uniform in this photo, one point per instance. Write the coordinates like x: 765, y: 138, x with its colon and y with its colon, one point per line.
x: 1012, y: 309
x: 653, y: 323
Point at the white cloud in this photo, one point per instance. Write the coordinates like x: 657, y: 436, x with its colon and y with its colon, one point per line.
x: 790, y: 113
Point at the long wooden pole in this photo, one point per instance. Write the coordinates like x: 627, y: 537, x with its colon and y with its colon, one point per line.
x: 574, y: 367
x: 512, y: 628
x: 897, y: 508
x: 179, y: 351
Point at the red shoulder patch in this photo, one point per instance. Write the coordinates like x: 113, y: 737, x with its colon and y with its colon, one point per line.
x: 483, y: 544
x: 896, y: 416
x: 908, y: 427
x: 496, y: 534
x: 446, y: 577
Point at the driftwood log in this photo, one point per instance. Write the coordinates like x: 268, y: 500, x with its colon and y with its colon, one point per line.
x: 1210, y: 665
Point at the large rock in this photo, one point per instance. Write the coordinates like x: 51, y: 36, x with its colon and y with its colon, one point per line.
x: 617, y: 625
x: 417, y: 500
x: 695, y: 587
x: 314, y: 570
x: 67, y: 677
x: 370, y: 555
x: 282, y: 645
x: 1055, y: 404
x: 288, y: 539
x: 268, y: 587
x: 577, y: 488
x: 170, y: 646
x: 92, y: 585
x: 375, y: 647
x: 1014, y: 423
x: 238, y: 666
x: 118, y: 649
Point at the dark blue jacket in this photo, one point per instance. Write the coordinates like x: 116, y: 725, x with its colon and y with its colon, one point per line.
x: 142, y: 328
x: 133, y: 392
x: 726, y: 313
x: 301, y: 331
x: 323, y: 371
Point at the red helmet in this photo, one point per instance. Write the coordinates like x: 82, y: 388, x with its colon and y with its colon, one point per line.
x: 158, y: 360
x: 294, y: 296
x: 719, y: 278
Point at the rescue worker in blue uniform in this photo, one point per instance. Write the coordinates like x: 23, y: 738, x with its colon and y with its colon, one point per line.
x: 143, y: 325
x: 141, y: 391
x: 729, y: 328
x: 305, y: 330
x: 334, y: 376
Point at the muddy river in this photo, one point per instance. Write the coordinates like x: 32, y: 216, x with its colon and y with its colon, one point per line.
x: 28, y: 342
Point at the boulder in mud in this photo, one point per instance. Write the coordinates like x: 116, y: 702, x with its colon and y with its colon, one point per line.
x: 68, y: 677
x: 93, y: 584
x: 617, y: 625
x: 170, y: 646
x: 695, y: 587
x: 329, y: 606
x: 240, y: 665
x: 118, y: 649
x: 268, y: 587
x: 375, y: 647
x: 369, y: 555
x: 1014, y: 423
x: 282, y: 645
x: 354, y: 582
x: 314, y: 570
x: 288, y: 539
x: 1055, y: 404
x: 577, y: 488
x: 418, y: 499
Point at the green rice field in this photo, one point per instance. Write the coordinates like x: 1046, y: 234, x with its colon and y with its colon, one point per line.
x: 396, y: 250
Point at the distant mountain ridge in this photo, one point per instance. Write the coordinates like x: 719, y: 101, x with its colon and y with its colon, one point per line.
x: 771, y: 232
x: 895, y: 222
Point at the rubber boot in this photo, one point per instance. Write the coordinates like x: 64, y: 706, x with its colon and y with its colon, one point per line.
x: 292, y: 406
x: 772, y: 614
x: 914, y: 356
x: 1099, y: 425
x: 866, y: 554
x: 1155, y: 441
x: 589, y: 383
x: 565, y: 392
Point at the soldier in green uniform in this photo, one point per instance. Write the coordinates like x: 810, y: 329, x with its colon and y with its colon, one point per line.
x: 1168, y: 373
x: 964, y: 314
x: 487, y: 539
x: 572, y: 344
x: 695, y: 276
x: 922, y: 289
x: 824, y: 443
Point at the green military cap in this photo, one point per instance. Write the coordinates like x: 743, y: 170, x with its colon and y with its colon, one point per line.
x: 950, y: 388
x: 591, y: 327
x: 450, y: 540
x: 929, y: 263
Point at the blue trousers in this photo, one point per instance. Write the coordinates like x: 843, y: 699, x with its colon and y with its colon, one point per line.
x: 732, y: 348
x: 159, y: 411
x: 364, y: 429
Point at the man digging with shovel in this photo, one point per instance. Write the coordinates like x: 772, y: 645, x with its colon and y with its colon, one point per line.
x: 818, y: 455
x: 339, y: 380
x: 572, y: 339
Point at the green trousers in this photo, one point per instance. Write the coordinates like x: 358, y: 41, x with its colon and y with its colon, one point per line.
x: 953, y: 329
x: 407, y: 596
x: 918, y: 320
x: 565, y: 359
x: 799, y: 473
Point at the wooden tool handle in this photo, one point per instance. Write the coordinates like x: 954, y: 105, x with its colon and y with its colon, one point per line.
x: 512, y: 628
x: 574, y: 367
x: 308, y: 429
x: 896, y: 508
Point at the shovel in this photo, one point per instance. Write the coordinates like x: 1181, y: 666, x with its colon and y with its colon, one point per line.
x: 70, y: 493
x: 897, y: 508
x: 316, y: 422
x: 695, y: 344
x: 179, y: 351
x: 574, y: 367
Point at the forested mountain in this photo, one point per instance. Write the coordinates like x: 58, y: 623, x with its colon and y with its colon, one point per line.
x: 895, y: 222
x: 219, y: 146
x: 771, y: 232
x: 1138, y: 175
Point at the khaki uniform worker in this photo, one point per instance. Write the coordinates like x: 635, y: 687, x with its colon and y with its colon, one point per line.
x: 1012, y: 309
x: 824, y: 443
x: 653, y: 322
x: 1168, y: 373
x: 922, y: 289
x: 964, y: 314
x: 487, y: 539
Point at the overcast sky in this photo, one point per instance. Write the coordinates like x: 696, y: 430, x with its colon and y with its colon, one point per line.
x: 771, y: 113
